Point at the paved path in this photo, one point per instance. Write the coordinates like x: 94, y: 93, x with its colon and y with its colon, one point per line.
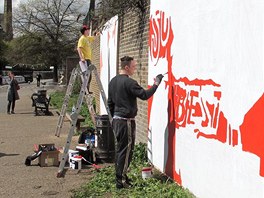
x: 18, y: 134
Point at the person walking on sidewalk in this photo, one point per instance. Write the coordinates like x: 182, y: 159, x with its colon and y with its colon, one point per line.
x: 12, y: 94
x: 84, y: 49
x: 122, y: 101
x: 38, y: 79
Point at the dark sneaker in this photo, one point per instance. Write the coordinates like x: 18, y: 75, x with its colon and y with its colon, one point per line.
x: 123, y: 185
x: 128, y: 181
x: 12, y: 112
x: 119, y: 186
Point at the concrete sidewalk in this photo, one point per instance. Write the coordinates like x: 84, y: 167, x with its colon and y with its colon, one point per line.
x: 18, y: 134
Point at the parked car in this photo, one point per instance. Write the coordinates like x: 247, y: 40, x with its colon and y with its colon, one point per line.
x: 6, y: 79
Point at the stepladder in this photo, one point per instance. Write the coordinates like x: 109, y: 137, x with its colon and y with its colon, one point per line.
x: 84, y: 93
x: 88, y: 97
x: 66, y: 101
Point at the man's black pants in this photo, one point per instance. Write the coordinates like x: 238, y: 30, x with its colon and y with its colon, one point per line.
x: 125, y: 136
x: 88, y: 61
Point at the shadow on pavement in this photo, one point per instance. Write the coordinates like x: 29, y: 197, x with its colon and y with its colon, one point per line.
x: 3, y: 154
x: 41, y: 113
x: 31, y: 112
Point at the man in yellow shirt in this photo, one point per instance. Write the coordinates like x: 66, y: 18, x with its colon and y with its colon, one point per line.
x: 84, y: 48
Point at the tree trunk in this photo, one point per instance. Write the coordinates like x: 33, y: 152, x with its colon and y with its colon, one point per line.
x: 90, y: 13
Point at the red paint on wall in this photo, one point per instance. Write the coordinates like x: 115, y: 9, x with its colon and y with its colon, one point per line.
x: 160, y: 37
x: 160, y: 41
x: 190, y: 105
x: 185, y: 104
x: 170, y: 166
x: 252, y: 132
x: 198, y: 82
x: 150, y: 100
x: 221, y: 130
x: 234, y: 138
x: 229, y: 135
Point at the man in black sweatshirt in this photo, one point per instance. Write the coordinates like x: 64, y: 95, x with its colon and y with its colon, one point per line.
x: 123, y: 92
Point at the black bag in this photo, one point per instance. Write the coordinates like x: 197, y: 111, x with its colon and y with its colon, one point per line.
x: 32, y: 157
x: 87, y: 132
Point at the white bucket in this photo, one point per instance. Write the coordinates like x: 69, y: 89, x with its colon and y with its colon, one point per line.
x: 72, y: 153
x: 76, y: 162
x: 146, y: 172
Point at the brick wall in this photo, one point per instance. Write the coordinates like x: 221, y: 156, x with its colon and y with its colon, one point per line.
x: 131, y: 44
x: 96, y: 62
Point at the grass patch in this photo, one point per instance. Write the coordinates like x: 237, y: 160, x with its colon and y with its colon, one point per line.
x: 103, y: 183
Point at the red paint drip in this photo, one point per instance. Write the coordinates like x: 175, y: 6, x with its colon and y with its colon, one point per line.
x: 234, y: 138
x: 150, y: 100
x: 230, y: 135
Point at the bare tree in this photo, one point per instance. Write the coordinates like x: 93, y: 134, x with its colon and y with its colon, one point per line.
x: 53, y: 21
x: 106, y: 9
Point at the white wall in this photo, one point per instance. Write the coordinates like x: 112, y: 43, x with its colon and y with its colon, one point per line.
x: 108, y: 56
x: 210, y: 105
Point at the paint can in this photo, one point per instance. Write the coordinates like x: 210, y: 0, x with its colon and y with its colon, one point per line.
x: 146, y: 172
x: 76, y: 162
x: 72, y: 153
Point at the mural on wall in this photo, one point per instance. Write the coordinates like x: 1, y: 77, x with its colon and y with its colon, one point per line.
x: 207, y: 131
x: 108, y: 56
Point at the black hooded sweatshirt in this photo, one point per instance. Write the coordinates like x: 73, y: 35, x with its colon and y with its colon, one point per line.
x: 123, y: 92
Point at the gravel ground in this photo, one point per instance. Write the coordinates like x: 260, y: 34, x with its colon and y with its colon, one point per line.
x: 18, y: 134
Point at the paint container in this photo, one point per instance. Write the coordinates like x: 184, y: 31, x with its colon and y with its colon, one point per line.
x: 76, y: 162
x: 83, y: 66
x: 146, y: 172
x: 72, y: 153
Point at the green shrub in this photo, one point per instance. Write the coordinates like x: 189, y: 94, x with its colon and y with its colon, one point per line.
x: 103, y: 182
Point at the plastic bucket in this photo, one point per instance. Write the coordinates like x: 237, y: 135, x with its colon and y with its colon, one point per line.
x: 72, y: 153
x: 146, y: 172
x: 76, y: 162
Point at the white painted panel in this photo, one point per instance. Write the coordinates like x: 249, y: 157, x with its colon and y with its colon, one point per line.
x: 213, y: 53
x: 108, y: 56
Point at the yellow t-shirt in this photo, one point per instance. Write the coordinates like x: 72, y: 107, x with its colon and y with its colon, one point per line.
x: 85, y: 43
